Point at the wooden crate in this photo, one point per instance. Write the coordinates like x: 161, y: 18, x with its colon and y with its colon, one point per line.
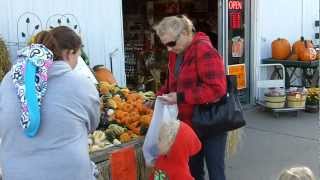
x: 101, y: 158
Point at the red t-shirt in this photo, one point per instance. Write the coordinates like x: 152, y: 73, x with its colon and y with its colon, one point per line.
x: 175, y: 165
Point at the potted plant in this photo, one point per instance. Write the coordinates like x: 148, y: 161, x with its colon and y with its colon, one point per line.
x: 312, y: 101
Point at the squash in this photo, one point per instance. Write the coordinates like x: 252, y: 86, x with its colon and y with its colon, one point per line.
x: 103, y: 74
x: 300, y: 45
x: 125, y: 137
x: 281, y: 49
x: 293, y: 57
x: 308, y: 54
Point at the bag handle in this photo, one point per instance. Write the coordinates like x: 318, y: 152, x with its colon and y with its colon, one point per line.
x: 230, y: 79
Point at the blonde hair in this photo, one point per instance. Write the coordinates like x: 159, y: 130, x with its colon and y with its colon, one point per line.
x: 174, y: 25
x: 297, y: 173
x: 167, y: 135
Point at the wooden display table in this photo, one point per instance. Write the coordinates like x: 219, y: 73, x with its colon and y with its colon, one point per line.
x: 102, y: 160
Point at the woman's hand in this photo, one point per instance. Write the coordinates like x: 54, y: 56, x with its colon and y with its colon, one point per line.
x: 149, y: 104
x: 170, y: 98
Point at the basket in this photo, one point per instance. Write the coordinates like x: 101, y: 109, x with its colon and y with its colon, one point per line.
x: 274, y: 105
x: 274, y: 101
x: 297, y: 97
x: 297, y: 101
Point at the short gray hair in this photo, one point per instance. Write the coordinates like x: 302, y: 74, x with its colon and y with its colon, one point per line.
x: 174, y: 25
x: 167, y: 135
x: 297, y: 173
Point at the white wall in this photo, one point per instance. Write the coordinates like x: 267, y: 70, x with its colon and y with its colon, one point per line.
x: 100, y: 22
x: 288, y: 19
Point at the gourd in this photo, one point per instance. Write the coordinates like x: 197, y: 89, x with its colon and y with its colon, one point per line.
x: 300, y: 45
x: 281, y: 49
x: 103, y: 74
x: 308, y: 54
x: 293, y: 57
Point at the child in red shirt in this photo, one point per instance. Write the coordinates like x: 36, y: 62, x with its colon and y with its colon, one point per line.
x: 177, y: 143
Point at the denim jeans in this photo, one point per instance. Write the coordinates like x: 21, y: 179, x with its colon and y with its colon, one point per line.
x: 213, y: 152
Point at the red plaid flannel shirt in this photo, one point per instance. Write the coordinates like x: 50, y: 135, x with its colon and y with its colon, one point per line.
x: 201, y: 61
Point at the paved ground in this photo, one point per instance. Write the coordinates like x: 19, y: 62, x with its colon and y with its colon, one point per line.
x: 270, y: 144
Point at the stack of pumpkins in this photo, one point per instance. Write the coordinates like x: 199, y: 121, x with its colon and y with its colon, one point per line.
x: 302, y: 50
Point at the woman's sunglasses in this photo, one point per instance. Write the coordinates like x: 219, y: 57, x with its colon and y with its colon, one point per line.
x: 172, y: 43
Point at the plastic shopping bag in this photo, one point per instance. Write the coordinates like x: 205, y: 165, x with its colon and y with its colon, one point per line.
x: 162, y: 113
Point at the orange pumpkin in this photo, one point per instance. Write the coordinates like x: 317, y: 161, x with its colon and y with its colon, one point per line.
x: 300, y: 45
x: 281, y: 49
x: 293, y: 57
x: 104, y: 75
x: 308, y: 54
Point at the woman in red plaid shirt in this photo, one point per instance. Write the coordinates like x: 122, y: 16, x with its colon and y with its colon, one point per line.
x: 196, y: 76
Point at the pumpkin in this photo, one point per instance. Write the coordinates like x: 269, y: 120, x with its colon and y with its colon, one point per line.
x: 300, y: 45
x: 281, y: 49
x: 293, y: 57
x: 308, y: 54
x: 103, y: 74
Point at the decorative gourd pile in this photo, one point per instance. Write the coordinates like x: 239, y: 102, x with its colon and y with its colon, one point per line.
x: 302, y: 50
x: 125, y: 107
x: 123, y: 115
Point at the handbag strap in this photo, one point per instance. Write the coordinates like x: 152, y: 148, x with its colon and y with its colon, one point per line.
x: 231, y: 80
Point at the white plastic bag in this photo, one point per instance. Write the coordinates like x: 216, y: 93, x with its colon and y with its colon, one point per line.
x: 162, y: 113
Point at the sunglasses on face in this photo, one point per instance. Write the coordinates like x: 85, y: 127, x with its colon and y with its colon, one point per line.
x: 172, y: 43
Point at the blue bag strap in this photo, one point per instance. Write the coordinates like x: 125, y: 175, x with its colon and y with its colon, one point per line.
x: 32, y: 101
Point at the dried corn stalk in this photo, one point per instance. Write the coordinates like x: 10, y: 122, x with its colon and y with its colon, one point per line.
x: 233, y: 142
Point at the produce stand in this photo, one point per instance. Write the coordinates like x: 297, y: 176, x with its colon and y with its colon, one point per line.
x: 102, y: 160
x: 309, y: 75
x: 271, y: 82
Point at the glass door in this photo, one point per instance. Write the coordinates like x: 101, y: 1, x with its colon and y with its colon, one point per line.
x: 234, y: 21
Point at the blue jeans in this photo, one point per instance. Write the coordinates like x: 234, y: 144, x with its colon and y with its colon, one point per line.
x: 213, y: 152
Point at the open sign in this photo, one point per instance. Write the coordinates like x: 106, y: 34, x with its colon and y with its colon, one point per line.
x: 235, y: 5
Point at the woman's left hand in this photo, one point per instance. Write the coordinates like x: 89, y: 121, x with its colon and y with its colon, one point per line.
x: 170, y: 98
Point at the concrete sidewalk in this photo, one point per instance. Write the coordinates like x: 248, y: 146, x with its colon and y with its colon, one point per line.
x: 271, y: 144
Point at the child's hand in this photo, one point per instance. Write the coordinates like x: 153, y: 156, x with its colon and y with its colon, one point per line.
x: 170, y: 98
x: 149, y: 104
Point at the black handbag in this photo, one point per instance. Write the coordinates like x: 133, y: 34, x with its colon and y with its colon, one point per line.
x: 222, y: 116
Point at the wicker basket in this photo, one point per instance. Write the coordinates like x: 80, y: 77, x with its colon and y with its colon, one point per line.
x: 275, y: 101
x: 274, y: 105
x: 297, y: 101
